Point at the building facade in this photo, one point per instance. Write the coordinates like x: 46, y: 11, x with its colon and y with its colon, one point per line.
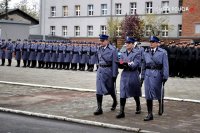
x: 88, y: 18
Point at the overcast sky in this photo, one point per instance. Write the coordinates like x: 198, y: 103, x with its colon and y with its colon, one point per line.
x: 31, y: 3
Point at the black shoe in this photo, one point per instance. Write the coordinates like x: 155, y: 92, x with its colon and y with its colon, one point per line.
x: 138, y: 110
x: 120, y: 115
x: 2, y: 64
x: 8, y: 65
x: 98, y: 112
x: 113, y: 106
x: 148, y: 117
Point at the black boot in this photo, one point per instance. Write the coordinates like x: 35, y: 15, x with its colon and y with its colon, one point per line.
x: 114, y: 105
x: 18, y: 63
x: 138, y: 107
x: 9, y: 62
x: 3, y: 62
x: 161, y: 107
x: 122, y: 105
x: 99, y: 110
x: 149, y: 108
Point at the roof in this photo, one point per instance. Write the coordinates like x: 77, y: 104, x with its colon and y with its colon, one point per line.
x: 18, y: 11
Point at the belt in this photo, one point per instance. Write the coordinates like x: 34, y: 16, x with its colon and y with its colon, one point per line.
x: 17, y: 50
x: 60, y: 51
x: 67, y: 51
x: 39, y: 50
x: 84, y: 52
x: 32, y: 50
x: 154, y: 67
x: 75, y: 52
x: 105, y: 65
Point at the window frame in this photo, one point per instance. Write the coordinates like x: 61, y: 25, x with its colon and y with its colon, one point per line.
x: 52, y: 30
x: 91, y: 10
x: 90, y: 32
x: 77, y: 10
x: 77, y: 31
x: 149, y: 10
x: 103, y: 29
x: 65, y: 11
x: 118, y: 9
x: 64, y: 31
x: 53, y: 12
x: 133, y: 8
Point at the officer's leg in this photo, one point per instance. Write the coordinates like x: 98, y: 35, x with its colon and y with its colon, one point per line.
x: 67, y: 65
x: 29, y: 63
x: 114, y: 105
x: 83, y: 68
x: 9, y: 62
x: 18, y: 63
x: 99, y: 110
x: 122, y: 106
x: 149, y: 108
x: 161, y: 107
x: 3, y: 62
x: 24, y: 61
x: 138, y: 107
x: 75, y: 66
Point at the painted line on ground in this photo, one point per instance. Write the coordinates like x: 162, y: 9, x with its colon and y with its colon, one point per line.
x: 88, y: 90
x: 80, y: 121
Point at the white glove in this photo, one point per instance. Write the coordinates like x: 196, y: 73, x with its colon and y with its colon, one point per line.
x: 130, y: 63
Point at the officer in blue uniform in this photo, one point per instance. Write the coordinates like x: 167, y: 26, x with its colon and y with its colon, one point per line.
x: 61, y: 53
x: 155, y: 72
x: 40, y: 54
x: 47, y: 55
x: 76, y: 56
x: 25, y: 51
x: 106, y: 73
x: 92, y: 57
x: 9, y: 51
x: 18, y: 52
x: 68, y: 55
x: 54, y: 55
x: 130, y: 80
x: 84, y: 58
x: 2, y: 51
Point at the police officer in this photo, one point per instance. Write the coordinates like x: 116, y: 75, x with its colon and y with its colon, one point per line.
x: 47, y: 54
x: 40, y: 53
x: 33, y: 53
x: 172, y: 53
x: 25, y: 51
x: 155, y: 72
x: 68, y: 55
x: 54, y: 55
x: 106, y: 73
x: 18, y: 52
x: 130, y: 81
x: 9, y: 51
x: 92, y: 57
x: 2, y: 52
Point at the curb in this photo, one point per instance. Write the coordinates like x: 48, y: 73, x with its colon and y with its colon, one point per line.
x: 88, y: 90
x: 79, y: 121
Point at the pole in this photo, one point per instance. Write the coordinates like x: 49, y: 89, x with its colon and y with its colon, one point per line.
x: 43, y: 17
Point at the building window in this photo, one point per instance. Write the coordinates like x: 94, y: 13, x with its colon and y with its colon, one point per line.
x: 90, y: 10
x: 64, y: 31
x: 148, y: 29
x: 90, y: 31
x: 133, y: 8
x: 180, y: 4
x: 53, y: 30
x: 197, y: 28
x: 103, y: 29
x: 149, y: 7
x: 104, y: 9
x: 179, y: 30
x: 78, y: 10
x: 53, y: 11
x: 165, y: 7
x: 65, y: 11
x: 118, y: 8
x: 164, y: 30
x: 77, y: 31
x: 119, y: 31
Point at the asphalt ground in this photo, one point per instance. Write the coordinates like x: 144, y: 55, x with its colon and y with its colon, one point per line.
x: 178, y: 116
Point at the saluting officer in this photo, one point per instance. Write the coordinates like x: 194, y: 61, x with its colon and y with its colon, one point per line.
x: 130, y: 81
x: 155, y: 72
x: 106, y: 73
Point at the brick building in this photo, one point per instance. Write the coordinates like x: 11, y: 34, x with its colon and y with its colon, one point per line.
x: 191, y: 20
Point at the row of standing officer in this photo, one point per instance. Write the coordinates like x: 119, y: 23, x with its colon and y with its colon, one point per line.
x: 155, y: 72
x: 184, y: 59
x: 52, y: 54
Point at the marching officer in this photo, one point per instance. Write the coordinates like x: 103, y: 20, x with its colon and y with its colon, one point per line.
x: 2, y: 52
x: 155, y: 72
x: 106, y: 73
x: 25, y: 51
x: 18, y: 52
x: 130, y: 80
x: 9, y: 51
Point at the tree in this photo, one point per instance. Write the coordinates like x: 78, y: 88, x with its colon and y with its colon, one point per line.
x: 23, y: 5
x: 112, y: 25
x: 4, y: 6
x: 154, y: 24
x: 132, y: 25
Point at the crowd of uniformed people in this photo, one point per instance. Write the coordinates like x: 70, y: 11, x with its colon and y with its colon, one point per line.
x: 152, y: 65
x: 50, y: 54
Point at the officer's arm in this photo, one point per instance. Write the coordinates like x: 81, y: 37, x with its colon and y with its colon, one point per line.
x: 114, y: 64
x: 135, y: 63
x: 143, y: 67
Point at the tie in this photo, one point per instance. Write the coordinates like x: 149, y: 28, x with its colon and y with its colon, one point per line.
x: 152, y: 52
